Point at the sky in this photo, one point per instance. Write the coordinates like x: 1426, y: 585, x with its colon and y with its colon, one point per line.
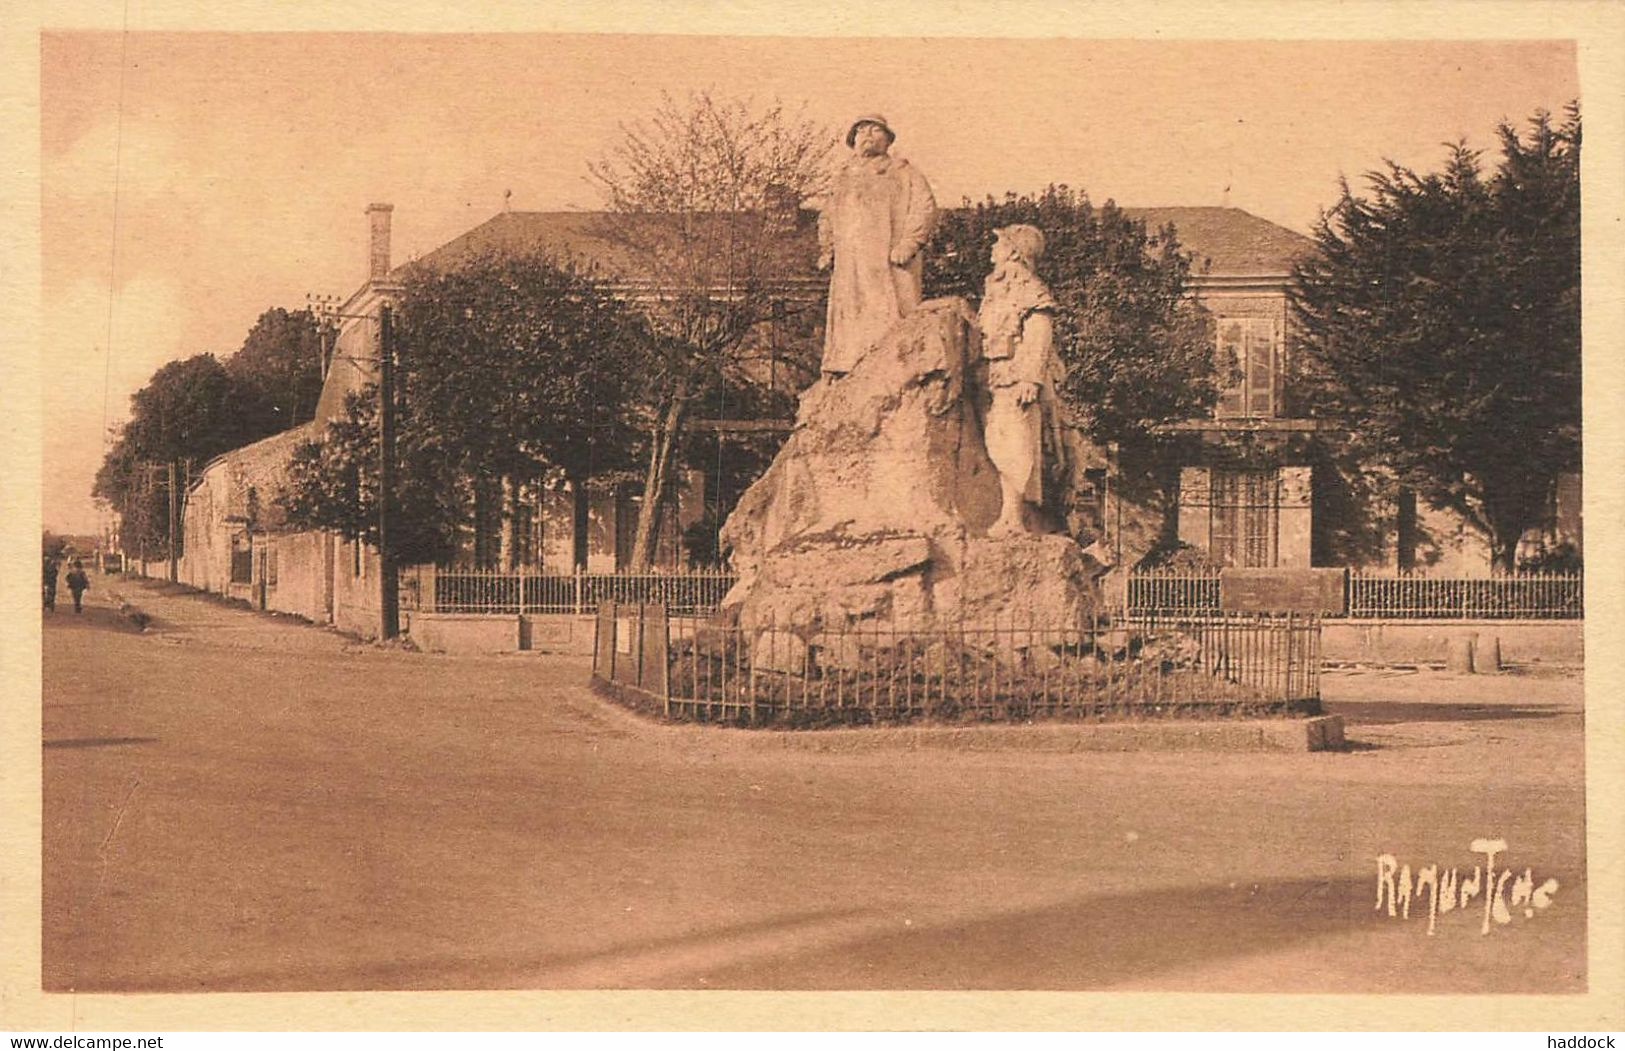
x: 191, y: 181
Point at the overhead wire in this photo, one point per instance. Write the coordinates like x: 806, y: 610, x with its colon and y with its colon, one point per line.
x: 112, y: 262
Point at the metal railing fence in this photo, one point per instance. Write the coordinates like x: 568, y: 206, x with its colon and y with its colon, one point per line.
x: 1523, y: 596
x: 1173, y: 592
x: 1153, y: 592
x: 1225, y: 664
x: 1376, y: 595
x: 697, y: 591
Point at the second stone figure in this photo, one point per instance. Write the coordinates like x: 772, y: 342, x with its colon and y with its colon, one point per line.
x: 1022, y: 377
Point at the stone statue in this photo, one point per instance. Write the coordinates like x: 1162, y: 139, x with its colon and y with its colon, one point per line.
x: 878, y: 215
x: 878, y: 507
x: 1023, y: 371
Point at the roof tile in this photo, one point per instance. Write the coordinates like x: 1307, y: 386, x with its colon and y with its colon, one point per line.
x: 1222, y: 241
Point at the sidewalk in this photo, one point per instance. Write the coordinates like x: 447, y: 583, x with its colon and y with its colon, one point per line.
x: 181, y: 615
x: 101, y: 609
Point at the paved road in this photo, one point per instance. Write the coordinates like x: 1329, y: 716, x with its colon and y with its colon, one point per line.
x: 237, y: 802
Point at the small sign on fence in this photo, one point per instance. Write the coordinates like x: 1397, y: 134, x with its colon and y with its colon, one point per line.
x: 631, y: 646
x: 1283, y: 591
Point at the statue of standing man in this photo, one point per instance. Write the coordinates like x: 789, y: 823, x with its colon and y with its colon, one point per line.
x: 879, y: 214
x: 1023, y: 372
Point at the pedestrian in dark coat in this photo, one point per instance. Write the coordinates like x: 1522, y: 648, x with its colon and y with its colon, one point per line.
x: 51, y: 570
x: 78, y: 583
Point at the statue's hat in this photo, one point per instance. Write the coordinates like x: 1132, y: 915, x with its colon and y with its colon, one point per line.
x: 869, y: 118
x: 1027, y: 240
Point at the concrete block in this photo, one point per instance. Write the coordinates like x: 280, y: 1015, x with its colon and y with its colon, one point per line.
x: 556, y: 633
x: 1317, y: 734
x: 1458, y: 654
x: 465, y: 633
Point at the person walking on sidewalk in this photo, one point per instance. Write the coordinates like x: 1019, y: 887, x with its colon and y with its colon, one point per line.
x: 51, y: 570
x: 78, y: 583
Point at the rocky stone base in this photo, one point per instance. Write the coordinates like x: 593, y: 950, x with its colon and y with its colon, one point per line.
x: 835, y: 593
x: 875, y: 514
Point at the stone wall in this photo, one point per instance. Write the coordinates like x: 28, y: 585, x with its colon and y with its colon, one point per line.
x: 303, y: 568
x: 355, y: 589
x: 218, y: 506
x: 1426, y: 642
x: 206, y: 562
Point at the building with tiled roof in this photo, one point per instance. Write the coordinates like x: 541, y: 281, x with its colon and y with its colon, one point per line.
x: 1228, y: 243
x: 1240, y: 268
x: 1225, y: 243
x: 1250, y: 485
x: 579, y: 237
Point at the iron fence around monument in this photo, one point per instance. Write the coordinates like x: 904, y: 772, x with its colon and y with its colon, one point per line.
x: 690, y: 668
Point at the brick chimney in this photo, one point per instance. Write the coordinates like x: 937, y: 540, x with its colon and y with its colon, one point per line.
x: 378, y: 242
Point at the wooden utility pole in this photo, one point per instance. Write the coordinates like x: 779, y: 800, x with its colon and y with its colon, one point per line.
x: 389, y: 614
x: 174, y: 513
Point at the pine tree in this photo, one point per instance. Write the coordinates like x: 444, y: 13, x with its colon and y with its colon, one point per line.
x: 1440, y: 325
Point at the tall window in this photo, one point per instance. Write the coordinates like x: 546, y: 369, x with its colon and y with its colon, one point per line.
x: 242, y: 559
x: 1246, y: 509
x: 1249, y: 361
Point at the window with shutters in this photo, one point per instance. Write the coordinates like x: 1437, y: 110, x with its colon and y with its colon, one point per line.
x: 1246, y: 509
x: 242, y: 559
x: 1249, y: 362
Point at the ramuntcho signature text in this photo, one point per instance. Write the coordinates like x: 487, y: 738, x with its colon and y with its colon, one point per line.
x: 1444, y: 890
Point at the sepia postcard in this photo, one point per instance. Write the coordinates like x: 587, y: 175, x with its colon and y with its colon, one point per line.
x: 926, y: 518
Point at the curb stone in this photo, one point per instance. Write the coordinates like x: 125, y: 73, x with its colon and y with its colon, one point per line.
x: 1319, y: 733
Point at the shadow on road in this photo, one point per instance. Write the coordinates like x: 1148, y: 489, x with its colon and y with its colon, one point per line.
x: 1384, y: 713
x: 94, y: 618
x: 1166, y: 940
x: 1135, y: 941
x: 1090, y: 943
x: 472, y: 970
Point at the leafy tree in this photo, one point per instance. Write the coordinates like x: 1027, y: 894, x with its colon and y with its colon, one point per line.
x: 518, y: 367
x: 512, y: 368
x: 124, y: 484
x: 189, y: 410
x: 193, y: 410
x: 280, y: 359
x: 1137, y: 351
x: 1441, y: 324
x: 333, y: 484
x: 704, y: 203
